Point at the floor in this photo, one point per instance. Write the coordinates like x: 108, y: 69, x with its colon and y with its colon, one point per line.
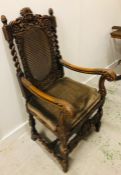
x: 99, y: 154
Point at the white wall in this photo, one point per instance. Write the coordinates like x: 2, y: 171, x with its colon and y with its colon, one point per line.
x: 83, y: 29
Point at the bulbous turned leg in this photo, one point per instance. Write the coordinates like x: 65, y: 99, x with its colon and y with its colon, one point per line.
x: 34, y: 134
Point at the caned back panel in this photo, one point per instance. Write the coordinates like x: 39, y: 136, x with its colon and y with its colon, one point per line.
x: 38, y: 54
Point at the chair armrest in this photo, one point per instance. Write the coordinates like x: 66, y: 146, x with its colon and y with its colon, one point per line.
x: 42, y: 95
x: 107, y: 73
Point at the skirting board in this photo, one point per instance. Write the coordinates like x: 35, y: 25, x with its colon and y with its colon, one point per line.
x: 16, y: 132
x: 23, y: 127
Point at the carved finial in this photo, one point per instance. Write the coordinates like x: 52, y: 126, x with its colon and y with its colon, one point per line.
x: 4, y: 20
x: 26, y: 11
x: 50, y: 12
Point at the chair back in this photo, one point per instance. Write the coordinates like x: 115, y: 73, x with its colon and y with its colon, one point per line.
x: 37, y: 46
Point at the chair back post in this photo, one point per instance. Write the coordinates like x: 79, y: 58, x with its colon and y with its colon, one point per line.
x: 8, y: 36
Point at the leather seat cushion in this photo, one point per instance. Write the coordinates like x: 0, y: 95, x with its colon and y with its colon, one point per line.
x: 82, y: 97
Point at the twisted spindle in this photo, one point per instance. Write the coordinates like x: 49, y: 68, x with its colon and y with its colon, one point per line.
x: 15, y: 58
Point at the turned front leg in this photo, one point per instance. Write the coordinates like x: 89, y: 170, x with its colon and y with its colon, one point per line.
x: 99, y: 116
x: 63, y: 137
x: 32, y: 123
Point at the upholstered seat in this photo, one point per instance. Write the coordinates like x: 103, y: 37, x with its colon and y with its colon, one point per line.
x: 82, y: 97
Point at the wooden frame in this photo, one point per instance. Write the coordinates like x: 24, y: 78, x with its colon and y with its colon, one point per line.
x: 116, y: 34
x: 65, y: 143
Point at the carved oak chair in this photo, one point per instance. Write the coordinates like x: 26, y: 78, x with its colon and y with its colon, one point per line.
x: 66, y: 107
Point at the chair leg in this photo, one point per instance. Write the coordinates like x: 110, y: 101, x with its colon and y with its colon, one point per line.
x: 64, y: 153
x: 34, y: 134
x: 97, y: 126
x: 98, y: 122
x: 118, y: 77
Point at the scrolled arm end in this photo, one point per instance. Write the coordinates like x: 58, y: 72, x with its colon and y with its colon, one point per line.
x: 109, y: 74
